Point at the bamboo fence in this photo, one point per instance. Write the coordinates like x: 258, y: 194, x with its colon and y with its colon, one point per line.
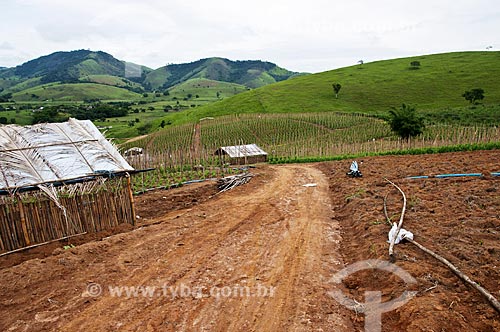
x: 32, y: 217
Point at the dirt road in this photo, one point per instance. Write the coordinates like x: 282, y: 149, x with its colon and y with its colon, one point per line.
x: 257, y: 258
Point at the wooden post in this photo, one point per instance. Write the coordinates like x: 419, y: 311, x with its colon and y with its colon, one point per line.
x: 2, y: 245
x: 131, y: 197
x: 40, y: 244
x: 23, y: 222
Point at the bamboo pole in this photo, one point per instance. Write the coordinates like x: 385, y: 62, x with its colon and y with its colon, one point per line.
x: 3, y: 220
x: 39, y: 244
x: 23, y: 222
x: 131, y: 198
x: 491, y: 299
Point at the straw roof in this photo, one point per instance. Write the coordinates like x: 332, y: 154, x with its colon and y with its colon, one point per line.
x: 55, y: 152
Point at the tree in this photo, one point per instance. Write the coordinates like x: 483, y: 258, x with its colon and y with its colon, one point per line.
x: 406, y: 122
x: 336, y: 89
x: 474, y: 95
x: 5, y: 97
x: 3, y: 120
x: 50, y: 114
x: 144, y: 129
x: 415, y: 65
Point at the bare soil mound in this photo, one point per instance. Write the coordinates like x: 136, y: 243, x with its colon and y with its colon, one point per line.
x: 458, y: 218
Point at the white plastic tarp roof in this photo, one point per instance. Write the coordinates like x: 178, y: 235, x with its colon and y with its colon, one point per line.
x: 55, y: 152
x: 238, y: 151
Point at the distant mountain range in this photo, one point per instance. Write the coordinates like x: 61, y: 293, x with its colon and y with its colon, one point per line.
x: 84, y: 66
x: 252, y: 74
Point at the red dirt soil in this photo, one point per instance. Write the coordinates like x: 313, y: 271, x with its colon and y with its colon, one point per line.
x: 458, y: 218
x: 277, y: 236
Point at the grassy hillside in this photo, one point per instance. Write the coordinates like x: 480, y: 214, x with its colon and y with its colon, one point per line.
x: 23, y: 85
x: 376, y: 87
x: 113, y: 81
x: 206, y: 90
x: 68, y: 66
x: 75, y: 92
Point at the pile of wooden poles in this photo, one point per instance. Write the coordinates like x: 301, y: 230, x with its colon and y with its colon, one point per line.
x: 229, y: 182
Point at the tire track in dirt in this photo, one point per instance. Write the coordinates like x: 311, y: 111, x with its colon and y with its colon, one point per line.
x: 276, y: 235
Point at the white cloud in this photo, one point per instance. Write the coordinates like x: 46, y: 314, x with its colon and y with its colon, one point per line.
x: 314, y: 35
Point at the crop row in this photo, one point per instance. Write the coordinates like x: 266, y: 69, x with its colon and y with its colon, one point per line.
x: 187, y: 152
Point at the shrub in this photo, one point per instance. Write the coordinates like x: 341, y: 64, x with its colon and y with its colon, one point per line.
x: 405, y: 122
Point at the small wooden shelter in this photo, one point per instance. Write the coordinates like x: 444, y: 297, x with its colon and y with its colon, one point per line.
x: 58, y: 180
x: 242, y: 154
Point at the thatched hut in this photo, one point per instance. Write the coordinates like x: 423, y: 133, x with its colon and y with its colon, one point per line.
x: 58, y: 180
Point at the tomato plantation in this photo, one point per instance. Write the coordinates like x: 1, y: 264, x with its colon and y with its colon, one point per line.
x: 186, y: 152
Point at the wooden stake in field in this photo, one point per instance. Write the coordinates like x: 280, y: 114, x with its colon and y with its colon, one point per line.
x: 400, y: 224
x: 131, y: 197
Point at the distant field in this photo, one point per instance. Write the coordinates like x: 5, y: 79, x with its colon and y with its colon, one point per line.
x: 74, y: 92
x: 183, y: 100
x: 203, y: 90
x: 20, y: 117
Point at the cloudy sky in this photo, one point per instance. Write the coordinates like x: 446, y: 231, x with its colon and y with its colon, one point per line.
x: 305, y: 36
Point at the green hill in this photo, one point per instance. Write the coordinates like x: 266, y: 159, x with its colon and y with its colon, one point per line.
x: 72, y: 67
x: 249, y: 73
x: 376, y: 87
x: 102, y: 68
x: 205, y: 90
x: 74, y: 92
x: 120, y: 82
x: 67, y: 67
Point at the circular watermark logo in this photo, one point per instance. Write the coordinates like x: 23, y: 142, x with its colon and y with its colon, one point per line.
x: 94, y: 290
x: 373, y: 307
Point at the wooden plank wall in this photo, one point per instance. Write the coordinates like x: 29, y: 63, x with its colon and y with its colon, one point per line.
x: 29, y: 219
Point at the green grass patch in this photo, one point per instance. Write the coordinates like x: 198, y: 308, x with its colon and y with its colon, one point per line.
x: 74, y: 92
